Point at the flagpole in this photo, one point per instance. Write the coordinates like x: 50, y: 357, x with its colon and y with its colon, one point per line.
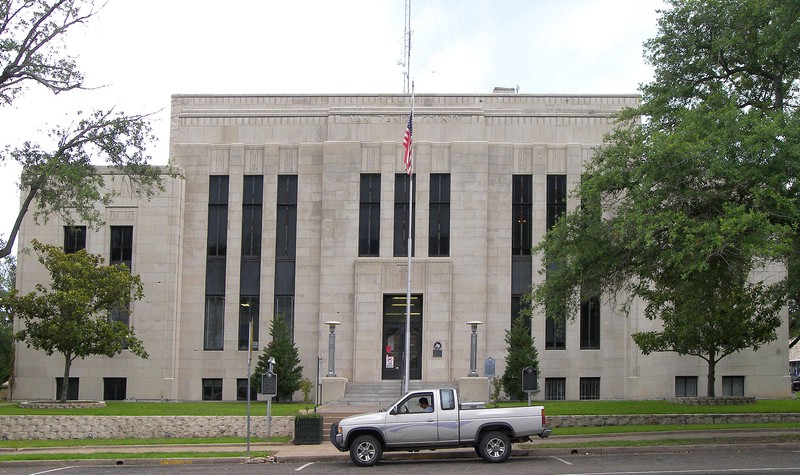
x: 407, y: 358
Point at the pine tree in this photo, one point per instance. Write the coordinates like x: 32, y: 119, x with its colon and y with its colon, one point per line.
x: 520, y: 354
x: 287, y: 362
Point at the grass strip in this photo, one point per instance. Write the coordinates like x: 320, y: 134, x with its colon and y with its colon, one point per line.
x: 117, y: 456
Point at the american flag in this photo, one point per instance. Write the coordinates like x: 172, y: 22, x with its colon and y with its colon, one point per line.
x: 407, y: 145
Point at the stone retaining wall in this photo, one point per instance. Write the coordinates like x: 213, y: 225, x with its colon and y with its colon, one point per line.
x: 110, y: 427
x: 88, y: 427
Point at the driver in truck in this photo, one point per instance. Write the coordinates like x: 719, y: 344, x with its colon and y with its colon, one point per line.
x: 423, y: 403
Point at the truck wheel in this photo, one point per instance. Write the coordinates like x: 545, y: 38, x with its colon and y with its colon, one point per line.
x: 494, y: 447
x: 365, y: 451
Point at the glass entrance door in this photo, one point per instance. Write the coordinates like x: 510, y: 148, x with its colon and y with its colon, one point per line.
x: 393, y: 341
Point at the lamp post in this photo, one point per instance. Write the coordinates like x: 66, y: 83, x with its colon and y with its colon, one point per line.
x: 473, y: 348
x: 332, y: 348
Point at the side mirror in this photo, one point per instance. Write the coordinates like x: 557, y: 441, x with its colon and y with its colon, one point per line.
x: 393, y: 411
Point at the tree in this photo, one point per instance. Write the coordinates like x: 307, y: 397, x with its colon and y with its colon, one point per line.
x: 73, y: 315
x: 8, y: 270
x: 287, y: 362
x: 520, y: 354
x: 689, y: 208
x: 61, y: 179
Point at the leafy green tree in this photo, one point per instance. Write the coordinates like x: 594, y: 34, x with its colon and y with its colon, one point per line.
x: 71, y: 316
x: 287, y: 362
x: 8, y: 269
x: 62, y: 179
x: 688, y: 208
x: 520, y: 354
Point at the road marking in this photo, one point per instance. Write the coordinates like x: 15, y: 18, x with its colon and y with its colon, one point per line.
x: 304, y: 466
x: 562, y: 460
x: 53, y: 470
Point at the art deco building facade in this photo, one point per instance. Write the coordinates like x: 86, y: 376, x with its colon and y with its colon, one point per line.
x: 297, y: 206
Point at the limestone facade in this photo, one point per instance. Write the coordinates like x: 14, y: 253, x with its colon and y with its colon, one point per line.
x: 328, y: 142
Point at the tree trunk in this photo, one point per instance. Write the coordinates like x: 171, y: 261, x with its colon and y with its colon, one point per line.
x: 65, y: 383
x: 712, y: 368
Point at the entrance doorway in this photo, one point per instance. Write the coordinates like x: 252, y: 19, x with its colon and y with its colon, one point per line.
x: 394, y: 342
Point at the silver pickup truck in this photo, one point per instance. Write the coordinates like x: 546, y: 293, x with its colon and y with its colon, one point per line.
x: 433, y: 419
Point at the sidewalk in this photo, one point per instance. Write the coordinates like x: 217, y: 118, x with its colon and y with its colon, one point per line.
x: 747, y: 439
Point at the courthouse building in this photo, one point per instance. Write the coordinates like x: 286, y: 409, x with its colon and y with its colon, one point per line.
x: 296, y: 206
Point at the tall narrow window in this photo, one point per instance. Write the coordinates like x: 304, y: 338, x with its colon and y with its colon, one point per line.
x: 285, y: 248
x: 521, y: 243
x: 369, y: 215
x: 556, y: 198
x: 74, y: 239
x: 439, y: 216
x: 521, y: 215
x: 555, y: 334
x: 590, y: 323
x: 121, y: 254
x: 402, y: 201
x: 121, y: 245
x: 217, y: 246
x: 250, y: 275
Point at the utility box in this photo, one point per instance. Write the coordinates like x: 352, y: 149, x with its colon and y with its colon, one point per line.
x: 269, y: 384
x: 530, y: 379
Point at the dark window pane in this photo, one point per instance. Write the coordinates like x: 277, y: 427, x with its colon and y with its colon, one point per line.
x: 250, y: 282
x: 555, y: 389
x: 218, y: 190
x: 121, y: 245
x: 217, y: 230
x: 114, y: 389
x: 686, y: 386
x: 251, y: 230
x: 74, y: 239
x: 212, y: 389
x: 215, y: 276
x: 241, y: 390
x: 590, y: 323
x: 439, y: 216
x: 521, y: 215
x: 555, y: 334
x: 214, y: 323
x: 253, y: 190
x: 403, y: 184
x: 72, y: 391
x: 590, y: 388
x: 556, y: 198
x: 369, y: 215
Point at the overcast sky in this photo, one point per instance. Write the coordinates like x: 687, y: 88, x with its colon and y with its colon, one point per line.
x: 143, y: 51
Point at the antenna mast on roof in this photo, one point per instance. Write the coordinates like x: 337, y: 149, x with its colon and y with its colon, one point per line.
x: 407, y: 49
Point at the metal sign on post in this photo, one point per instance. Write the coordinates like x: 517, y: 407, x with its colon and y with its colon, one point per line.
x: 269, y: 387
x: 530, y: 381
x: 269, y: 384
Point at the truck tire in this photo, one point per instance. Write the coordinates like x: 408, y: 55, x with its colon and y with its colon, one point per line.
x: 494, y: 447
x: 365, y: 451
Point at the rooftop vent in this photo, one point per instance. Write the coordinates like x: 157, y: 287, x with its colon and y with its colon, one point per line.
x: 505, y: 90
